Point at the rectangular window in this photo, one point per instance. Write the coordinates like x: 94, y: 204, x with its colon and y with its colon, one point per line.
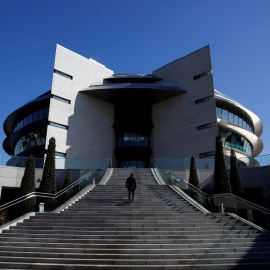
x: 35, y: 116
x: 203, y: 100
x: 202, y: 75
x: 206, y: 126
x: 207, y: 154
x: 61, y: 99
x: 46, y: 112
x: 30, y: 117
x: 63, y: 74
x: 58, y: 125
x: 59, y: 154
x: 41, y: 114
x: 25, y: 121
x: 218, y: 113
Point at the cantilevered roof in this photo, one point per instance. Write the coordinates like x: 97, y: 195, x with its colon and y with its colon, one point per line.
x: 117, y: 92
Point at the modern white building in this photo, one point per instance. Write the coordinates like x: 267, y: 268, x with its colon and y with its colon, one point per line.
x: 131, y: 118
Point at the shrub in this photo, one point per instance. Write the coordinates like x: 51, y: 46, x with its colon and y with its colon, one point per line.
x: 68, y: 181
x: 48, y: 182
x: 235, y: 178
x: 28, y: 185
x: 221, y: 177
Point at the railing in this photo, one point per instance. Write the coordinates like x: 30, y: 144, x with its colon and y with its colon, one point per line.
x: 60, y: 162
x: 224, y: 202
x: 65, y: 195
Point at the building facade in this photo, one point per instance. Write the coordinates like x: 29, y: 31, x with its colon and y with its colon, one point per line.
x: 131, y: 118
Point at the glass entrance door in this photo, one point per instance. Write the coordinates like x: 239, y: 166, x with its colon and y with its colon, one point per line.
x: 132, y: 164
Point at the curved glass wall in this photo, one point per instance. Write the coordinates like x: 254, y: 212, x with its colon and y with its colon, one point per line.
x: 31, y: 118
x: 34, y: 138
x: 132, y: 139
x: 236, y: 141
x: 234, y: 116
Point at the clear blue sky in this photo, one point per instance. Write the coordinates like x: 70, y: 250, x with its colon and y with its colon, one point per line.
x: 137, y: 36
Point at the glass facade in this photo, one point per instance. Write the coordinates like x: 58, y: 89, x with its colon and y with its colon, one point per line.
x: 31, y: 118
x: 132, y: 164
x: 132, y: 139
x: 234, y: 116
x: 34, y: 138
x: 236, y: 141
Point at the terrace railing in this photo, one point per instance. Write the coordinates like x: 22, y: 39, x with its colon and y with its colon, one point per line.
x: 225, y: 202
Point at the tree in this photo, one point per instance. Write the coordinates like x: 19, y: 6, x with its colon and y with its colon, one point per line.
x: 28, y: 185
x: 193, y: 175
x: 194, y: 180
x: 48, y: 182
x: 221, y: 177
x: 68, y: 181
x: 235, y: 178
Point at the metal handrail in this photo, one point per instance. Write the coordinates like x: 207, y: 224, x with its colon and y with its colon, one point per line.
x: 56, y: 195
x: 214, y: 196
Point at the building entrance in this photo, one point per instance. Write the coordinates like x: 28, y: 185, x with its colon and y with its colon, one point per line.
x: 132, y: 164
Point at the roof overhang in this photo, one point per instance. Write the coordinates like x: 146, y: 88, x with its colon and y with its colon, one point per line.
x: 127, y: 92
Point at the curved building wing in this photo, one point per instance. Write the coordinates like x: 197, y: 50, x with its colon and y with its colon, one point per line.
x: 239, y: 127
x: 26, y: 128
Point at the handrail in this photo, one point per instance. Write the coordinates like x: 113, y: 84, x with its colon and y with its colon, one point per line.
x: 222, y: 195
x: 59, y: 193
x: 212, y: 202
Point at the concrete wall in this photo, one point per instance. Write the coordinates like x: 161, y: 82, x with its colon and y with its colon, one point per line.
x: 175, y: 120
x: 12, y: 176
x: 89, y: 120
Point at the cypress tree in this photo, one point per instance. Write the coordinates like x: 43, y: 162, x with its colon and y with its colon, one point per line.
x: 194, y: 180
x: 235, y: 178
x: 68, y: 181
x: 28, y: 185
x: 221, y: 177
x: 48, y: 182
x: 193, y: 175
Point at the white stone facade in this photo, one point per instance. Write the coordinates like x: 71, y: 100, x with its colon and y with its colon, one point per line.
x: 175, y: 120
x: 89, y: 120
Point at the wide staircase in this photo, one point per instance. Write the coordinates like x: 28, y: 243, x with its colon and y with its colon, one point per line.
x: 159, y: 230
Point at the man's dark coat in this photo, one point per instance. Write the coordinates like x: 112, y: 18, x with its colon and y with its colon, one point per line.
x: 131, y: 183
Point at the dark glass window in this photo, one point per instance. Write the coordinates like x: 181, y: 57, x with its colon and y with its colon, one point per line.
x: 203, y: 100
x: 21, y: 124
x: 58, y: 125
x: 35, y: 116
x: 235, y: 140
x: 218, y: 113
x: 63, y: 74
x: 202, y: 75
x: 61, y: 99
x: 46, y: 112
x: 207, y: 154
x: 25, y: 121
x: 41, y: 114
x: 30, y: 118
x: 59, y: 154
x: 132, y: 139
x: 206, y: 126
x: 34, y: 138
